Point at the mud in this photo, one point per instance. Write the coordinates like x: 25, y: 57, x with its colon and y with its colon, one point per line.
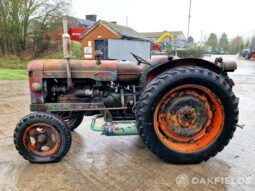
x: 97, y: 162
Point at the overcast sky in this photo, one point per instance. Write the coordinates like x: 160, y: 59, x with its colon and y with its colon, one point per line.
x: 235, y: 17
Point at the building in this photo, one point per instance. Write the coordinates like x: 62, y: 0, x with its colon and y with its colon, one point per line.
x: 77, y: 26
x: 115, y: 41
x: 74, y: 22
x: 179, y: 38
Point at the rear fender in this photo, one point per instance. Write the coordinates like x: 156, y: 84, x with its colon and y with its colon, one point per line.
x: 156, y: 69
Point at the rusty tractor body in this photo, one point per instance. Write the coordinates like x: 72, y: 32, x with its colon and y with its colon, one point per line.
x: 184, y: 109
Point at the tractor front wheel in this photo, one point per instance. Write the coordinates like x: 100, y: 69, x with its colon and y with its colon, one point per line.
x: 187, y: 115
x: 42, y: 138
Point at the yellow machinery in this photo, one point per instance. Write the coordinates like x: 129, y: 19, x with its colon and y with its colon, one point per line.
x: 161, y: 38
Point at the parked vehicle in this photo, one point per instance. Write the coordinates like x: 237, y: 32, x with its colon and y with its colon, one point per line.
x: 245, y: 53
x: 208, y: 52
x: 248, y: 53
x: 184, y: 109
x: 219, y: 51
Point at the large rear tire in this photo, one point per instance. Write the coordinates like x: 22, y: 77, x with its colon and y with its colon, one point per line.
x: 187, y: 115
x: 42, y: 138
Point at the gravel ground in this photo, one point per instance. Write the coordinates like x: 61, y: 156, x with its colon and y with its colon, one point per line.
x: 97, y: 162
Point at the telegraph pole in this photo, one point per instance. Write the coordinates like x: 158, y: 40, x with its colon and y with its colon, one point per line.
x: 189, y: 18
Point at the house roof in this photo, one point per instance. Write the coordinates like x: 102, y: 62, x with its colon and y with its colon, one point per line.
x: 123, y: 31
x: 159, y: 34
x: 85, y: 22
x: 82, y: 22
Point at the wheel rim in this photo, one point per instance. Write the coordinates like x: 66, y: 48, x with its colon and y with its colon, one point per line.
x: 188, y: 118
x: 41, y: 139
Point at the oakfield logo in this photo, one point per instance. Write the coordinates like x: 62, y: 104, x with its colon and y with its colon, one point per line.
x: 182, y: 180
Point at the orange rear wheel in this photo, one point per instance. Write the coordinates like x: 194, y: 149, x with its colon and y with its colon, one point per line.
x: 188, y: 118
x: 187, y: 114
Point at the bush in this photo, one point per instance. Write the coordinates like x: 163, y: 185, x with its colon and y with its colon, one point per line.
x: 188, y: 53
x: 76, y: 50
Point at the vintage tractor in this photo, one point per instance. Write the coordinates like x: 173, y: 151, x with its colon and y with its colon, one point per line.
x: 184, y: 109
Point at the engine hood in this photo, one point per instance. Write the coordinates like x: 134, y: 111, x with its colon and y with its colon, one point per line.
x: 108, y: 70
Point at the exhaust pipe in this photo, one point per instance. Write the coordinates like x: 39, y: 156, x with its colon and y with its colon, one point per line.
x: 229, y: 66
x: 226, y: 66
x: 67, y: 53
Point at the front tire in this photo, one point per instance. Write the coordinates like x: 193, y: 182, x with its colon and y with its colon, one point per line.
x: 42, y: 138
x: 187, y: 115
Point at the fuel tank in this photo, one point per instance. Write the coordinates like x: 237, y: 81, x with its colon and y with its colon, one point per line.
x: 107, y: 70
x: 128, y: 71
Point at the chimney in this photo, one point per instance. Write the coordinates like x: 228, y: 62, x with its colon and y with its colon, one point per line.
x: 91, y: 18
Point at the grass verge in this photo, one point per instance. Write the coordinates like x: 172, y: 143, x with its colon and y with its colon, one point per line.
x: 13, y: 62
x: 10, y: 74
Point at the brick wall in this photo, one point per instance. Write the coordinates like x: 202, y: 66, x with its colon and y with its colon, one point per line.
x: 100, y: 32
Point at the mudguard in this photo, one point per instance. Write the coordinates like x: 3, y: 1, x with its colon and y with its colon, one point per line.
x: 164, y: 63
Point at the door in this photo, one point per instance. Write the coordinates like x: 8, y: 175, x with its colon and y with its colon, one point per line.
x: 102, y: 46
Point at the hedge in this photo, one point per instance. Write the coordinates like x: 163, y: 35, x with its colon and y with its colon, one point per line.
x: 187, y: 53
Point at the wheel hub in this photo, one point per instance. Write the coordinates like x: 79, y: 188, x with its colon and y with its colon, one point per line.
x: 188, y: 118
x: 41, y: 139
x: 185, y: 116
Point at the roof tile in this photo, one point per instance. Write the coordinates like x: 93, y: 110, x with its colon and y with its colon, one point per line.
x: 125, y: 32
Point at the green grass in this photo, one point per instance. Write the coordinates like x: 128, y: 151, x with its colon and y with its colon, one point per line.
x: 10, y: 74
x: 14, y: 68
x: 13, y: 62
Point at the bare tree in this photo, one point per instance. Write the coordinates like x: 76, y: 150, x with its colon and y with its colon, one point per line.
x: 16, y: 16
